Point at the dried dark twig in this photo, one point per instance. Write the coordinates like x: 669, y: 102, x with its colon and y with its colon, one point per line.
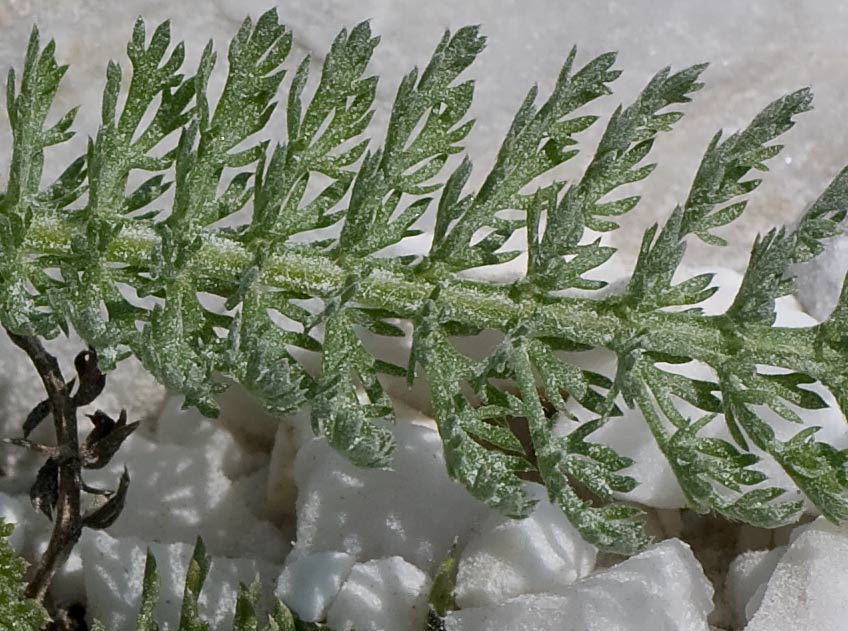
x: 58, y: 488
x: 68, y: 524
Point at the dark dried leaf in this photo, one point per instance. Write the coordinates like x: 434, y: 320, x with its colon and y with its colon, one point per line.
x: 36, y: 415
x: 94, y: 490
x: 91, y: 380
x: 103, y: 425
x: 105, y: 439
x: 44, y: 494
x: 107, y: 513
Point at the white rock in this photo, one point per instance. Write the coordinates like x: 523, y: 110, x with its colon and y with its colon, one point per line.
x: 507, y: 557
x: 748, y: 573
x: 819, y: 282
x: 413, y: 510
x: 13, y: 511
x: 309, y: 584
x: 177, y: 493
x: 281, y: 492
x: 114, y: 569
x: 247, y: 420
x: 381, y: 595
x: 293, y: 432
x: 189, y: 428
x: 661, y: 589
x: 807, y: 588
x: 251, y: 493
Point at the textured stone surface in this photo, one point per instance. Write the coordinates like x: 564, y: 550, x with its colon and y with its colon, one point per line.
x: 309, y: 584
x: 507, y: 557
x: 177, y: 493
x: 114, y: 570
x: 746, y: 581
x: 807, y: 588
x: 819, y: 282
x: 413, y: 510
x: 381, y: 595
x: 662, y: 589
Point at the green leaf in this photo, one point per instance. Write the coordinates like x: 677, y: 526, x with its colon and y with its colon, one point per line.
x: 765, y: 278
x: 535, y: 143
x: 337, y: 412
x: 282, y: 619
x: 819, y: 470
x: 411, y: 157
x: 725, y: 163
x: 719, y: 180
x: 198, y: 569
x: 706, y: 467
x: 822, y: 220
x: 17, y: 613
x: 614, y: 528
x: 245, y: 616
x: 488, y: 475
x: 441, y: 598
x: 627, y: 140
x: 149, y: 595
x: 276, y: 254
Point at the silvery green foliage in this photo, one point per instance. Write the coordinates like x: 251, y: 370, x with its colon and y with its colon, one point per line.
x: 72, y: 247
x: 17, y: 613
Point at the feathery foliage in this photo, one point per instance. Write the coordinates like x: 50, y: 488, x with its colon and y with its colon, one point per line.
x: 17, y: 613
x: 76, y: 251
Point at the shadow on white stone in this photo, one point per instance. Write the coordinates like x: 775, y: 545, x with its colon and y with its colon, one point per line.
x: 661, y: 589
x: 114, y: 569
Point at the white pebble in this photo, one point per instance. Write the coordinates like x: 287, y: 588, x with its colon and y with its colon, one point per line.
x: 819, y: 282
x: 281, y: 492
x: 413, y: 510
x: 807, y: 588
x: 508, y: 557
x: 381, y: 595
x: 177, y: 493
x: 748, y: 573
x: 309, y: 584
x: 661, y: 589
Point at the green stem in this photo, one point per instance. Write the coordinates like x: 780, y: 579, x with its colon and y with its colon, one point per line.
x: 221, y: 261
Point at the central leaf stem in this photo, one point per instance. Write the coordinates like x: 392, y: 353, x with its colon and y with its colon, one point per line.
x: 221, y: 261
